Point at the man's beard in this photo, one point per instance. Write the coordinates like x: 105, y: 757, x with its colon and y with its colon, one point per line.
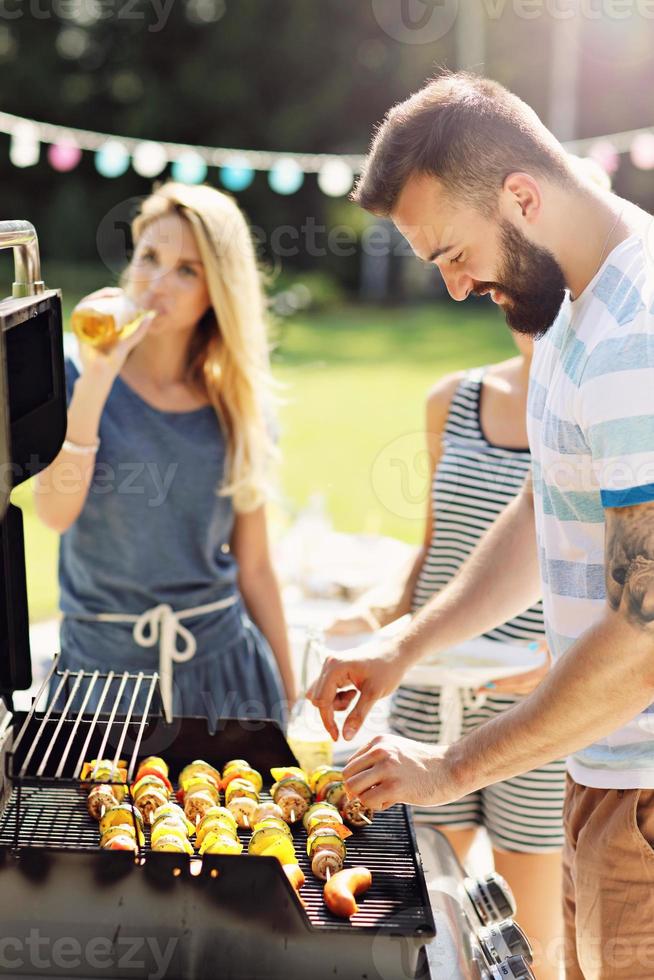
x: 532, y: 282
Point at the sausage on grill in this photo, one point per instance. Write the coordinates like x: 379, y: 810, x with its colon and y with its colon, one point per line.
x: 340, y: 890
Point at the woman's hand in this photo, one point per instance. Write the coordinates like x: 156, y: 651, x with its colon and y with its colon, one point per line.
x: 520, y: 684
x: 353, y: 622
x: 108, y: 364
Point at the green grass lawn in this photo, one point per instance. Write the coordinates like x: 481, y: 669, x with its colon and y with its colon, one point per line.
x: 355, y: 386
x: 354, y: 383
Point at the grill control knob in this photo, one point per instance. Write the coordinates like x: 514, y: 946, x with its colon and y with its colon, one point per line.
x: 503, y: 940
x: 515, y: 968
x: 492, y: 898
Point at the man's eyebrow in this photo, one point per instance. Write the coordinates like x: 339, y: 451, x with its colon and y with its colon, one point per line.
x: 438, y: 252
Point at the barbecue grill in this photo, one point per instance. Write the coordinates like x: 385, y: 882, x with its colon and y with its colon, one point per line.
x: 70, y: 909
x: 232, y: 915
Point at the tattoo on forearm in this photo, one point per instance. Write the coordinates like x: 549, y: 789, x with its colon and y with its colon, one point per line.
x: 630, y: 562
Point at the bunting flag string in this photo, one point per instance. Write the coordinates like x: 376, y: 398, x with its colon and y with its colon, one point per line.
x: 335, y: 172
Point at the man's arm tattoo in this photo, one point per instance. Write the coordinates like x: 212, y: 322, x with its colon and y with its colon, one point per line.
x: 629, y: 560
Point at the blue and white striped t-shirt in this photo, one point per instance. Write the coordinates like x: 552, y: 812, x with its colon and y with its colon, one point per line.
x: 591, y: 434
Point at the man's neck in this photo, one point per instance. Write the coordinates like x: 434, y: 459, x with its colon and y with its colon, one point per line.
x: 594, y: 223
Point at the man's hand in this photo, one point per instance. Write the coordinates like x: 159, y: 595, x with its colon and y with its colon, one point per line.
x: 391, y: 769
x: 374, y: 675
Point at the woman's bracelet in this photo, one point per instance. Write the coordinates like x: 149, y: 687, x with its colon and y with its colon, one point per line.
x: 77, y: 450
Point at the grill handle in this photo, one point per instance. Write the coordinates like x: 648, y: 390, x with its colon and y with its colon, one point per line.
x: 21, y: 236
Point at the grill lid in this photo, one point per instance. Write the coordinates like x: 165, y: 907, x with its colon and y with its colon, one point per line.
x: 32, y: 429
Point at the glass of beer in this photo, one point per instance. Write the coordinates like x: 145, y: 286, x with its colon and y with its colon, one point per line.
x: 104, y: 320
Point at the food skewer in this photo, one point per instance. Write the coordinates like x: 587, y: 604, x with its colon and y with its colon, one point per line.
x: 242, y: 785
x: 120, y: 826
x: 199, y: 789
x: 214, y: 827
x: 291, y: 792
x: 171, y: 830
x: 217, y: 832
x: 327, y: 784
x: 104, y: 781
x: 272, y: 838
x: 326, y: 841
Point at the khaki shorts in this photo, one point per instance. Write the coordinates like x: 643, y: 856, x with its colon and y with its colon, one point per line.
x: 608, y: 883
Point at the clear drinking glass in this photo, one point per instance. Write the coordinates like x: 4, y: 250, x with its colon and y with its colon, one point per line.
x: 308, y: 738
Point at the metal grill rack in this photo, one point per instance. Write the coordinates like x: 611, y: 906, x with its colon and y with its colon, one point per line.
x: 103, y: 708
x: 55, y: 817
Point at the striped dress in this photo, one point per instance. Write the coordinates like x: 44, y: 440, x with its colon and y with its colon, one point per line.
x: 473, y: 483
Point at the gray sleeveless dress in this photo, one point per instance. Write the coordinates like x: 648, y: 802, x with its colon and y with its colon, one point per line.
x: 153, y: 530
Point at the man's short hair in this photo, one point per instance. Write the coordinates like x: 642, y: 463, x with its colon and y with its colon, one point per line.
x: 468, y: 131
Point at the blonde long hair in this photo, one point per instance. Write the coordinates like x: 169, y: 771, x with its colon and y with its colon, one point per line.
x: 229, y: 354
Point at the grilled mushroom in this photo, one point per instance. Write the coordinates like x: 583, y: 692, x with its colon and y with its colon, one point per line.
x: 100, y: 798
x: 326, y: 852
x: 243, y: 808
x: 198, y: 801
x: 356, y: 813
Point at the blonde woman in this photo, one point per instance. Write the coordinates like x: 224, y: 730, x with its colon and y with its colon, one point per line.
x: 159, y: 491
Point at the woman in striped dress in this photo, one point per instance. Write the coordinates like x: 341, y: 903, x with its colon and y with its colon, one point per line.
x: 477, y: 439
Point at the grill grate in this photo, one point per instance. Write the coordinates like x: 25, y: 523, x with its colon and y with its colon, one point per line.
x: 104, y: 706
x: 54, y: 816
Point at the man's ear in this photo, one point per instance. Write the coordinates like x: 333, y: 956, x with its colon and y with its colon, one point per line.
x: 521, y: 190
